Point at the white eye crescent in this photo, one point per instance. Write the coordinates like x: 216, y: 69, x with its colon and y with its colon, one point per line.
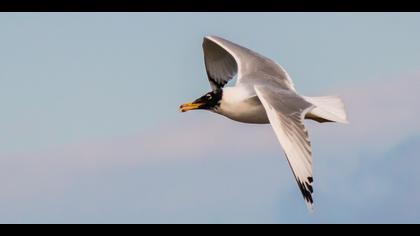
x: 208, y: 96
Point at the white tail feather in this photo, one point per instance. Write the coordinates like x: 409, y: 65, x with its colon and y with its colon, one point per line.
x: 329, y: 108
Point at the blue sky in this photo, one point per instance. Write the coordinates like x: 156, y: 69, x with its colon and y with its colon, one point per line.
x: 90, y: 130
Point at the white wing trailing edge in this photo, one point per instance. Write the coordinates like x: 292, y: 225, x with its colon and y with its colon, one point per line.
x: 286, y: 112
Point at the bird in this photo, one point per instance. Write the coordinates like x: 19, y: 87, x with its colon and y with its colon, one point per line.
x: 264, y: 93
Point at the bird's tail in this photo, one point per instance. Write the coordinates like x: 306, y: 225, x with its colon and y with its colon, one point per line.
x: 327, y: 109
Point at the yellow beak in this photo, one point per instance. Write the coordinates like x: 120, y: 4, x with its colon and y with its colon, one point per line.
x: 190, y: 106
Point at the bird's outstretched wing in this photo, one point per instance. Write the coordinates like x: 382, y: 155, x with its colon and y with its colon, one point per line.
x: 225, y: 59
x: 286, y: 111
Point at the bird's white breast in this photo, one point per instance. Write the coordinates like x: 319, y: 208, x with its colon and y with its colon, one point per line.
x: 242, y: 105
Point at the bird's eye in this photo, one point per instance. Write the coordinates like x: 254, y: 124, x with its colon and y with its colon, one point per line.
x: 208, y: 96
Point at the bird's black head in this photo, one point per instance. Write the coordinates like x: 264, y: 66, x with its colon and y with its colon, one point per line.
x: 208, y: 101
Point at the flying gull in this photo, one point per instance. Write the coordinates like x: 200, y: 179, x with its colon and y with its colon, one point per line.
x: 264, y: 93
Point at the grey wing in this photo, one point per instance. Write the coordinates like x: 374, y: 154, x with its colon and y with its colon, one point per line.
x: 285, y: 111
x: 225, y: 59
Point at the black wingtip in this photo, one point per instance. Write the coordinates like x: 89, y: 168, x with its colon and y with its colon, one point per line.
x: 307, y: 190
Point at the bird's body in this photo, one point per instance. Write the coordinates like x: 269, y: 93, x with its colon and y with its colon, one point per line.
x: 240, y: 105
x: 264, y: 93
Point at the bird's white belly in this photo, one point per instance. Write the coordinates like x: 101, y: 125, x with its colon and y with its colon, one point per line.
x: 247, y: 112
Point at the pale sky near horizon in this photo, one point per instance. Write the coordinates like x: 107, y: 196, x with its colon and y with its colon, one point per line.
x: 90, y: 130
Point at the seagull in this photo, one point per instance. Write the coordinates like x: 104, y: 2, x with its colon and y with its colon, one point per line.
x: 264, y: 93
